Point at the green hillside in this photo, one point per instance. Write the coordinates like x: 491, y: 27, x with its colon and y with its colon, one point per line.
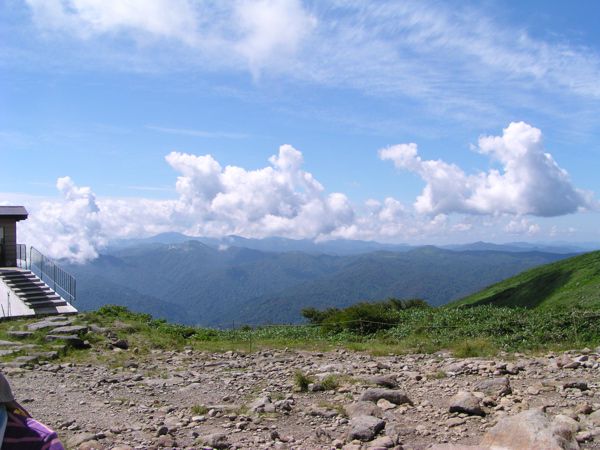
x: 573, y: 282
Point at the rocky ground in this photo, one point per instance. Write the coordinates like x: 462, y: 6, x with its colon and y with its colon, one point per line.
x: 194, y: 399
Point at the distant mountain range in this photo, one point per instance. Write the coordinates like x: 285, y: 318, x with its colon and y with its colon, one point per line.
x: 222, y: 282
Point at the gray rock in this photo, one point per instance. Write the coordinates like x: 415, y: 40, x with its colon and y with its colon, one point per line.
x: 217, y: 440
x: 465, y: 402
x: 20, y: 334
x: 260, y: 404
x: 528, y: 430
x: 382, y: 442
x: 391, y: 395
x: 581, y: 385
x: 385, y: 381
x: 120, y: 343
x: 494, y: 387
x: 365, y: 428
x: 43, y: 324
x: 595, y: 418
x: 364, y: 409
x: 72, y: 329
x: 69, y: 339
x: 460, y: 447
x: 79, y: 439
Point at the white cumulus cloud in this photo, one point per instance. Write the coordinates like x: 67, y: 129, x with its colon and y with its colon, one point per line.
x: 530, y: 181
x: 70, y: 229
x: 279, y: 199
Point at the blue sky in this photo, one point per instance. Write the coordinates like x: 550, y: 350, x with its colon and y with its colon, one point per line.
x: 95, y: 94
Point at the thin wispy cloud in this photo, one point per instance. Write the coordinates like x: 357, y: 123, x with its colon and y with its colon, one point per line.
x: 452, y: 58
x: 199, y: 133
x: 151, y: 188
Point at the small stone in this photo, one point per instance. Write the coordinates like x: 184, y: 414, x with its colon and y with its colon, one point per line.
x: 581, y: 385
x: 166, y: 441
x: 455, y: 421
x: 385, y: 405
x: 90, y: 445
x: 120, y: 343
x: 584, y: 408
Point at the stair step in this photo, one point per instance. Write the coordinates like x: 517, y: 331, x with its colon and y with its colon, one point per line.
x: 14, y: 276
x: 27, y: 289
x: 47, y: 304
x: 19, y: 279
x: 22, y: 286
x: 34, y: 297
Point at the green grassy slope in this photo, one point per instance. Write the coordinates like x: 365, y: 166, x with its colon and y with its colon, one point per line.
x: 573, y: 282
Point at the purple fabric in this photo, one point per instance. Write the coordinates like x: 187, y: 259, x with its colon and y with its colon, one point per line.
x: 25, y: 433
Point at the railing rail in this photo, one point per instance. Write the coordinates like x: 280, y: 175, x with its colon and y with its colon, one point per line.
x: 53, y: 275
x: 13, y: 254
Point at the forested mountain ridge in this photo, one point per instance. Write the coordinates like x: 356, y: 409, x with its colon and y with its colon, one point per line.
x: 196, y: 283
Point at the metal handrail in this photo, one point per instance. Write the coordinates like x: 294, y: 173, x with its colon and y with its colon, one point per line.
x: 19, y: 254
x: 53, y: 275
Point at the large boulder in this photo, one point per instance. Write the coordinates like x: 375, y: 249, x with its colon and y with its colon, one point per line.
x: 530, y: 429
x: 363, y: 409
x: 465, y: 402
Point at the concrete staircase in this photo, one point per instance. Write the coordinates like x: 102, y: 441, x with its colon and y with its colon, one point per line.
x: 30, y: 289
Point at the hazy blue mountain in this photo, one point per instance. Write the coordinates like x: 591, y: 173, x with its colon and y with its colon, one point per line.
x: 270, y: 244
x: 197, y: 283
x: 523, y: 247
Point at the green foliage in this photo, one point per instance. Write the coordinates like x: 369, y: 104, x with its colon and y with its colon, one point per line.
x: 380, y: 328
x: 199, y: 410
x: 330, y: 383
x: 301, y: 381
x: 473, y: 347
x: 364, y: 317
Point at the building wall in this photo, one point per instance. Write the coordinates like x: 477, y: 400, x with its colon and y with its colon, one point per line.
x: 10, y: 239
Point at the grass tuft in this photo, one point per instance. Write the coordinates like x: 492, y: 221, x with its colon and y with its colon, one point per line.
x: 301, y: 381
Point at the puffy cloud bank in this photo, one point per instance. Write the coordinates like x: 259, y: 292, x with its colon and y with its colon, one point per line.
x: 71, y: 229
x: 530, y: 181
x: 278, y: 200
x: 282, y: 199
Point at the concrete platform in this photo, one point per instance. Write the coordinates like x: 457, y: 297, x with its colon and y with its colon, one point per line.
x: 22, y: 294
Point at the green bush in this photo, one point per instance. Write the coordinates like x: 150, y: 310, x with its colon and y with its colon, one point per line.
x: 364, y: 317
